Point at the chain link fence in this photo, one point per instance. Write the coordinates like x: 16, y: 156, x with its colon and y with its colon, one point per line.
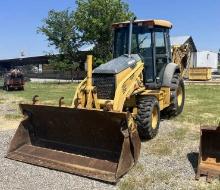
x: 48, y: 74
x: 57, y: 75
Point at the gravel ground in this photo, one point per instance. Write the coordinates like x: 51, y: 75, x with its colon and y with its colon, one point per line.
x: 16, y: 175
x: 166, y: 162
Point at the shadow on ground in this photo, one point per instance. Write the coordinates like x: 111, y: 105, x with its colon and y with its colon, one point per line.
x: 193, y: 159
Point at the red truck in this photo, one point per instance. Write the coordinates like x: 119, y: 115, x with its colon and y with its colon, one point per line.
x: 14, y: 80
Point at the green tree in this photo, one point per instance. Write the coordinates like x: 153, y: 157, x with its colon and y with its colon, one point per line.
x: 94, y: 19
x: 91, y: 23
x: 60, y: 30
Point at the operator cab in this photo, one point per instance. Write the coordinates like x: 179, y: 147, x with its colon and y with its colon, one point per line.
x: 150, y: 39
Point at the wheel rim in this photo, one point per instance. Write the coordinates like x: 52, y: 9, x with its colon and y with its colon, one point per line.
x: 179, y: 96
x: 154, y: 118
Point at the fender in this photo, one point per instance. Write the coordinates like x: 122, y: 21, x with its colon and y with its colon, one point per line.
x: 169, y: 71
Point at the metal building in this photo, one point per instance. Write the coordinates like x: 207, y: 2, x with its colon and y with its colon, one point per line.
x: 182, y: 40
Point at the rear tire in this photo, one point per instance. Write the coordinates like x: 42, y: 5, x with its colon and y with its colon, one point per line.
x: 177, y: 97
x: 148, y: 117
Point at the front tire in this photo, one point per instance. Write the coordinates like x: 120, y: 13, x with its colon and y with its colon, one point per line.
x: 148, y: 117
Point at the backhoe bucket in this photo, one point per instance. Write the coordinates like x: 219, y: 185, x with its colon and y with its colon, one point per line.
x: 90, y: 143
x: 209, y: 156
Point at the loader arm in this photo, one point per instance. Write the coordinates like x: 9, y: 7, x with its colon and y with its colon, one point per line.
x: 82, y: 85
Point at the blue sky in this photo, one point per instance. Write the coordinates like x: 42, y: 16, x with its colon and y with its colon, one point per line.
x: 19, y: 20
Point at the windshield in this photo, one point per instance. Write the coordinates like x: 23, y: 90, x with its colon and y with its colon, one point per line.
x: 140, y: 43
x: 155, y: 57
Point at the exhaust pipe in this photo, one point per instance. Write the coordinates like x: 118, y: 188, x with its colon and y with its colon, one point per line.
x: 130, y: 35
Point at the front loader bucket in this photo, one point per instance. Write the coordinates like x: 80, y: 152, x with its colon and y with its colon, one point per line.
x: 90, y: 143
x: 209, y: 156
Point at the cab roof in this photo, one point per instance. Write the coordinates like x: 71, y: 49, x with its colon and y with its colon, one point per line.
x: 152, y: 23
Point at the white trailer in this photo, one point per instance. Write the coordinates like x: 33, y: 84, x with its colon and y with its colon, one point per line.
x: 207, y: 59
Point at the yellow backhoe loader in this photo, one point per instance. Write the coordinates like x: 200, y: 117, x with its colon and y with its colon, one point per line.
x: 118, y: 102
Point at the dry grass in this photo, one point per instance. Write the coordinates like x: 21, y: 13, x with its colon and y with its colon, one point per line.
x: 162, y: 176
x: 179, y: 134
x: 2, y: 100
x: 13, y: 116
x: 136, y: 180
x: 139, y: 180
x: 134, y: 183
x: 215, y: 185
x: 160, y: 148
x: 164, y: 146
x: 6, y: 124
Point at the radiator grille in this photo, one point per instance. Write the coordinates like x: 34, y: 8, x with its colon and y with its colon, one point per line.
x: 105, y: 85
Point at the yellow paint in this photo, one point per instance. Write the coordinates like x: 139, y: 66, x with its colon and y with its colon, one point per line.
x: 162, y: 95
x: 154, y: 118
x: 128, y: 84
x: 89, y: 72
x: 179, y: 96
x: 126, y: 87
x: 200, y: 73
x: 154, y: 22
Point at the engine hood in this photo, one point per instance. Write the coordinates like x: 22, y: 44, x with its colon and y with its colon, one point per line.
x: 118, y: 64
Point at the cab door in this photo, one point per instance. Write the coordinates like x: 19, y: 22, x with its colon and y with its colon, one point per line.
x: 162, y: 52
